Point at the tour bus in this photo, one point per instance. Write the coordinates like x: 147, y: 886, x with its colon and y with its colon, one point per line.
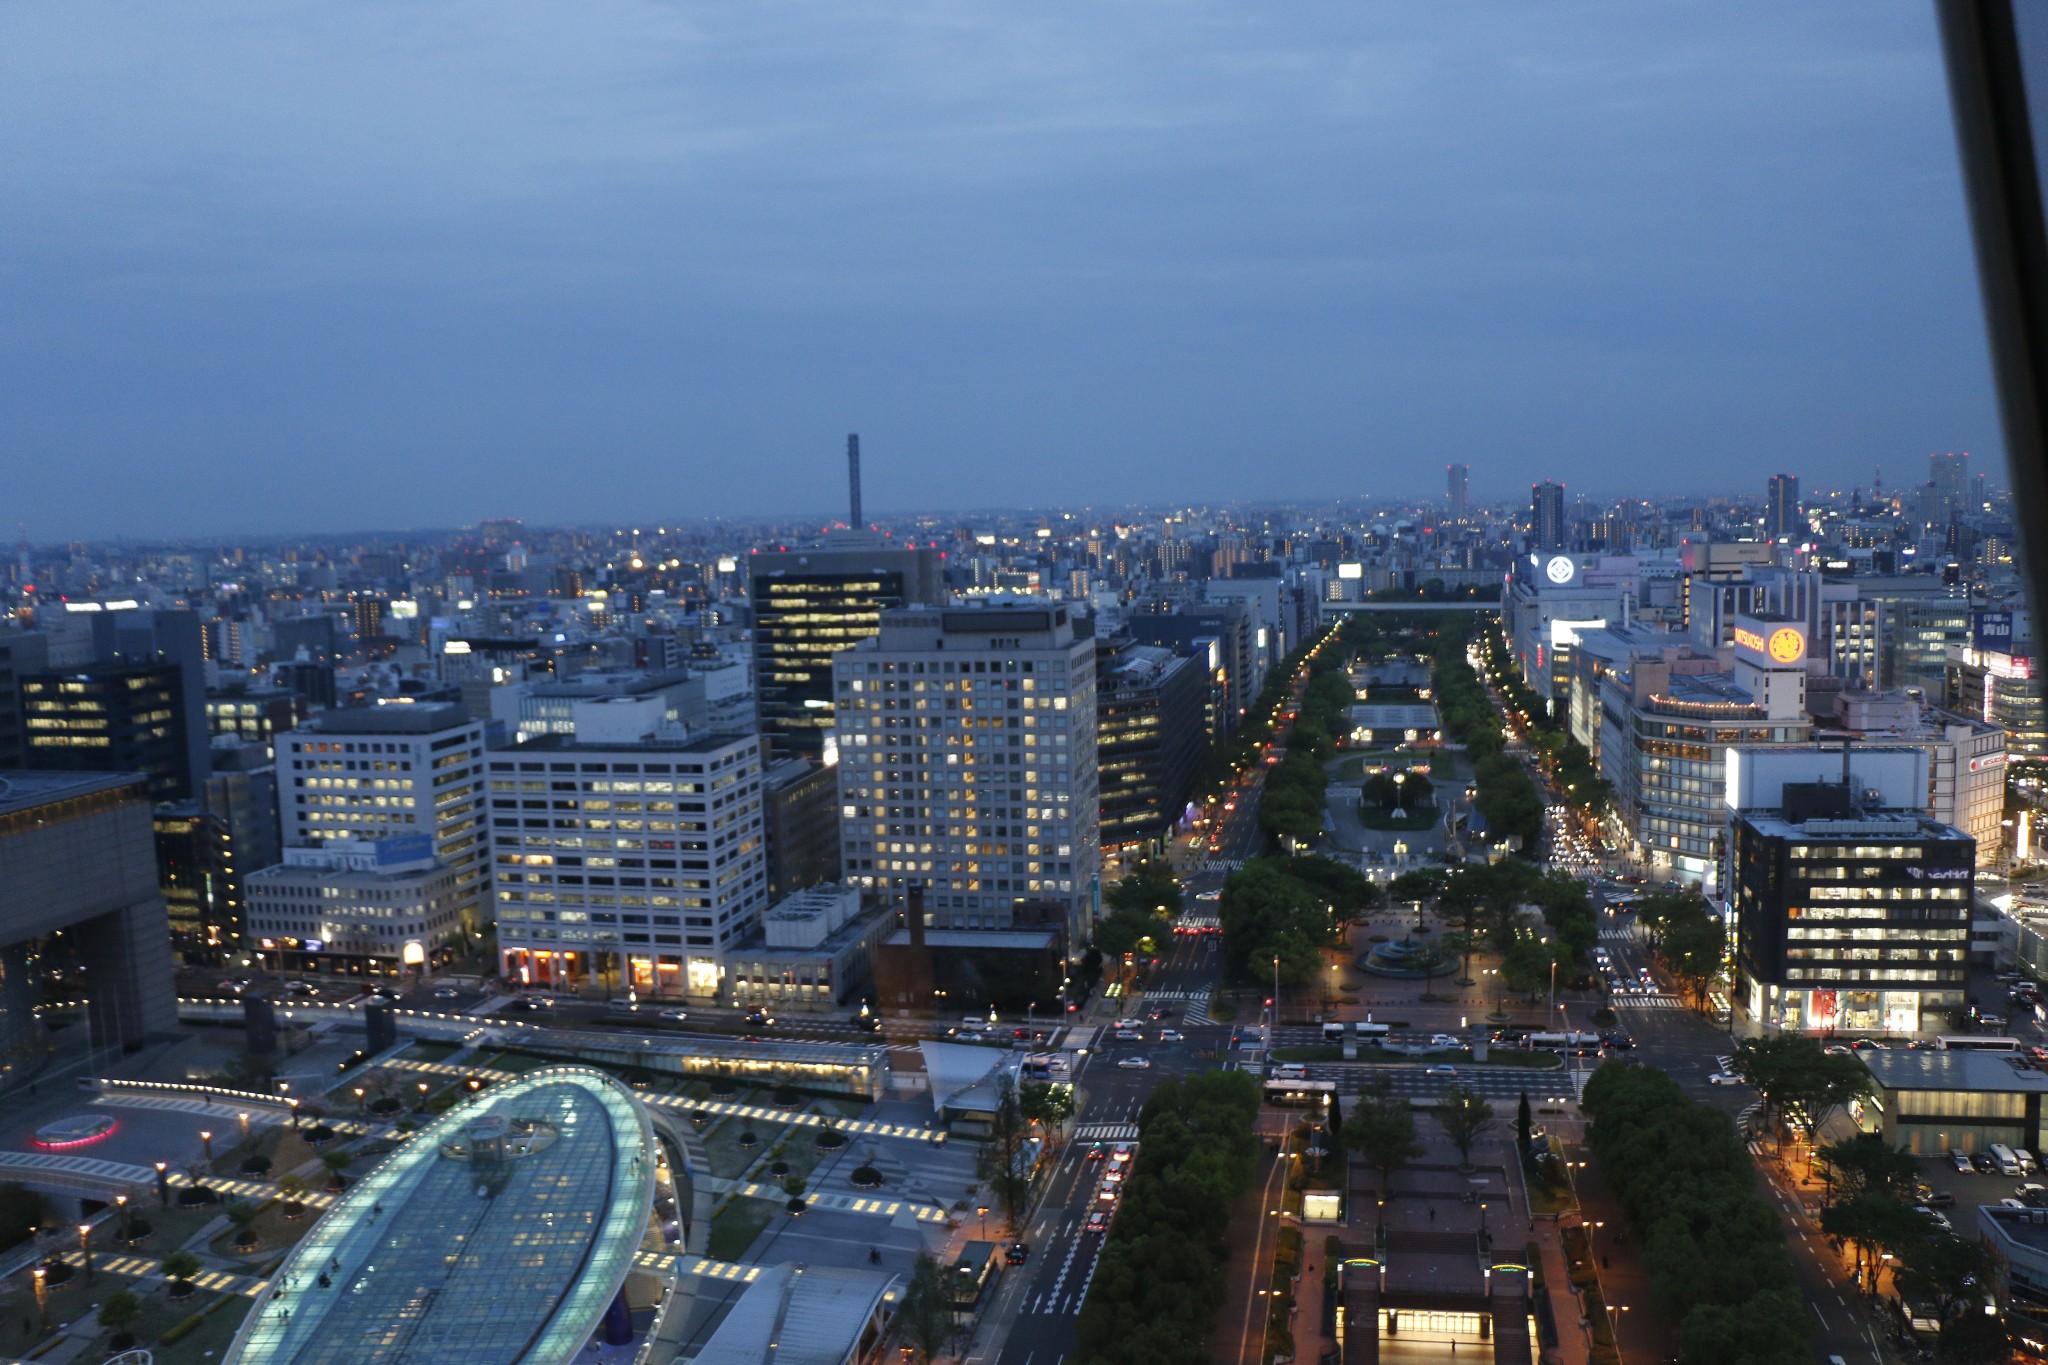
x: 1581, y: 1043
x: 1976, y: 1042
x: 1333, y: 1032
x: 2008, y: 1164
x: 1371, y: 1032
x: 1283, y: 1093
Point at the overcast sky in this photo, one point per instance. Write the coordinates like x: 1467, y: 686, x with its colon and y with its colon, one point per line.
x: 282, y: 265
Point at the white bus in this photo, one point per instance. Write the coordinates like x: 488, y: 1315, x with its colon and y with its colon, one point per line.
x: 1333, y: 1032
x: 1370, y: 1031
x: 1564, y: 1042
x: 1976, y: 1042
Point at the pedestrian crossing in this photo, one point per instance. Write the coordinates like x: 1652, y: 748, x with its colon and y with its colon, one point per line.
x: 1198, y: 1011
x: 1648, y: 1002
x: 1106, y: 1132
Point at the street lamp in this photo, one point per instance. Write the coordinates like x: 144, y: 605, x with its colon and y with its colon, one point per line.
x: 43, y: 1296
x: 121, y: 1207
x: 85, y: 1246
x: 163, y: 1184
x: 243, y: 1115
x: 359, y: 1100
x: 983, y: 1211
x: 206, y: 1140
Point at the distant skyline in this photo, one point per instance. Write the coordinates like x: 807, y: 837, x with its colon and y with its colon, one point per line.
x: 289, y: 267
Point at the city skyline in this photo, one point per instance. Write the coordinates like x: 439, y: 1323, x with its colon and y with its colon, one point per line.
x: 322, y: 271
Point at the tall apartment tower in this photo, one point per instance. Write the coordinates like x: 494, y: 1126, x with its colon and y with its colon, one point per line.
x: 811, y: 603
x: 1458, y: 478
x: 1781, y: 510
x: 1546, y: 515
x: 967, y: 765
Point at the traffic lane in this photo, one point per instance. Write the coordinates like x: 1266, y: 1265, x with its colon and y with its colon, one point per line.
x: 1844, y: 1319
x: 1412, y: 1082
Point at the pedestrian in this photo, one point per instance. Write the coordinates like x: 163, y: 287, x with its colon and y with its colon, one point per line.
x: 1432, y: 1213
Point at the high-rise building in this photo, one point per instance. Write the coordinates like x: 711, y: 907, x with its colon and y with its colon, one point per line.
x: 114, y: 718
x: 1458, y: 477
x: 406, y: 773
x: 1949, y: 486
x: 1781, y: 513
x: 968, y: 765
x: 1546, y: 515
x: 76, y: 858
x: 635, y: 864
x: 811, y: 603
x: 21, y: 652
x: 1851, y: 908
x: 1149, y: 739
x: 800, y: 803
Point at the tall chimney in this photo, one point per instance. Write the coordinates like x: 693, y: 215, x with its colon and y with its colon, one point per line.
x: 853, y: 477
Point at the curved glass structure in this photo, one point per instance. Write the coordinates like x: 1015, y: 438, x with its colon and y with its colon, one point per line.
x: 500, y: 1234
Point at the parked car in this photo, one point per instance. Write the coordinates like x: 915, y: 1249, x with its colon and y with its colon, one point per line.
x: 1939, y: 1199
x: 1018, y: 1253
x: 1962, y: 1163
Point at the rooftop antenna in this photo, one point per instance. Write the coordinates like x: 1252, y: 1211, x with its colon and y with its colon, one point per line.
x: 853, y: 477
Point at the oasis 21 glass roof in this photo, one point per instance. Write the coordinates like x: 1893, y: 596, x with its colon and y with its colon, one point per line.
x: 498, y: 1234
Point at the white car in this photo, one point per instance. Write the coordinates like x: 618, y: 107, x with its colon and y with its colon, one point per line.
x: 1209, y: 895
x: 1168, y: 1035
x: 1442, y: 1040
x: 1962, y: 1163
x: 1130, y: 1035
x: 674, y: 1016
x: 1439, y: 1071
x: 1724, y: 1078
x: 1135, y: 1063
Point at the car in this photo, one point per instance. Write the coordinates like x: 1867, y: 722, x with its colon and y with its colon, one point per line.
x: 1962, y: 1163
x: 622, y: 1005
x: 234, y: 985
x: 1209, y: 895
x: 1724, y: 1078
x: 2007, y: 1203
x: 1939, y: 1199
x: 968, y: 1036
x: 673, y: 1016
x: 1985, y: 1164
x: 1620, y: 1042
x: 1018, y: 1253
x: 1113, y: 1174
x: 300, y: 988
x: 761, y: 1019
x: 446, y: 993
x: 1168, y: 1035
x: 1135, y: 1063
x: 1098, y: 1221
x: 1940, y: 1220
x: 1096, y: 1152
x: 1108, y: 1191
x: 1121, y: 1152
x: 1442, y: 1040
x: 1839, y: 1050
x: 1130, y: 1035
x: 1439, y: 1071
x: 868, y: 1023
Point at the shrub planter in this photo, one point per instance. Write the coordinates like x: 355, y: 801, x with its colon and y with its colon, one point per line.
x: 865, y: 1178
x: 384, y: 1108
x: 318, y: 1136
x: 829, y: 1140
x: 796, y: 1205
x: 247, y: 1240
x: 787, y: 1098
x: 192, y: 1196
x: 778, y: 1168
x: 723, y: 1090
x: 119, y: 1342
x: 293, y: 1210
x: 138, y: 1232
x: 179, y: 1290
x: 56, y: 1273
x: 256, y: 1165
x: 337, y: 1183
x: 701, y: 1117
x: 747, y: 1142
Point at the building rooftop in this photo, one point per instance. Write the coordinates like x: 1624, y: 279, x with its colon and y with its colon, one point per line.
x: 25, y: 788
x: 1394, y: 715
x: 1930, y: 1069
x: 800, y: 1315
x: 569, y: 744
x: 1015, y: 939
x: 416, y: 718
x: 434, y: 1256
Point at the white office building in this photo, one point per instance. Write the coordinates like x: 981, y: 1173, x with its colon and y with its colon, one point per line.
x: 632, y: 863
x: 407, y: 778
x: 967, y: 763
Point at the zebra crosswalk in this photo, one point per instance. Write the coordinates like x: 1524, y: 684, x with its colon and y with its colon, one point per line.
x: 1198, y: 1011
x: 1648, y: 1002
x: 1106, y: 1132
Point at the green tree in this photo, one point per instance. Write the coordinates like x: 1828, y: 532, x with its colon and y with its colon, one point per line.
x: 119, y: 1309
x: 1947, y: 1271
x: 1695, y: 951
x: 180, y: 1266
x: 1525, y: 1125
x: 1382, y: 1131
x: 1465, y: 1117
x: 925, y: 1317
x: 1048, y: 1105
x: 1003, y: 1164
x: 1801, y: 1082
x: 1867, y: 1164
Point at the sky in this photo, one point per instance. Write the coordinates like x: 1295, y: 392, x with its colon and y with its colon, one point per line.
x: 288, y: 265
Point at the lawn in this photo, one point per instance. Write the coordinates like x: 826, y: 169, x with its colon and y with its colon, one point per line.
x: 839, y: 1106
x: 285, y: 1148
x: 1412, y: 824
x: 276, y: 1232
x: 1308, y: 1054
x: 208, y: 1342
x: 736, y: 1226
x: 425, y: 1051
x: 70, y: 1301
x: 721, y: 1145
